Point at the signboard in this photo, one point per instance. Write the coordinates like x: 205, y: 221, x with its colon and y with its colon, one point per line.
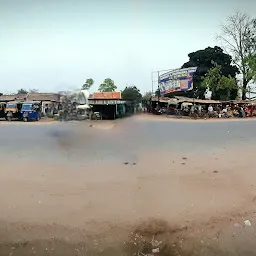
x: 177, y: 80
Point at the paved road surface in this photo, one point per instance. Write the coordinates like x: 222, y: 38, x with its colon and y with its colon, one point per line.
x: 83, y: 144
x: 196, y: 178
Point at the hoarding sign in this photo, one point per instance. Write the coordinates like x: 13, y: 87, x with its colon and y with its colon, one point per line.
x: 177, y: 80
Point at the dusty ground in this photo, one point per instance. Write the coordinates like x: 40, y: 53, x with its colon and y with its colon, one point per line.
x: 181, y: 204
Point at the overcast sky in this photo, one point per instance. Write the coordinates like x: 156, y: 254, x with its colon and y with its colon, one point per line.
x: 54, y: 45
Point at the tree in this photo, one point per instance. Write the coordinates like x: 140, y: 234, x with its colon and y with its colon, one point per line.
x: 222, y: 87
x: 157, y: 93
x: 239, y: 38
x: 147, y: 96
x: 33, y: 91
x: 205, y: 60
x: 107, y: 86
x: 132, y: 93
x: 22, y: 91
x: 252, y: 65
x: 88, y: 84
x: 146, y: 99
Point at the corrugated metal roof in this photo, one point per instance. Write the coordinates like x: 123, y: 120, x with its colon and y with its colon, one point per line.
x: 7, y: 97
x: 184, y: 99
x: 43, y: 97
x: 12, y: 97
x: 162, y: 99
x: 107, y: 95
x: 31, y: 97
x: 204, y: 101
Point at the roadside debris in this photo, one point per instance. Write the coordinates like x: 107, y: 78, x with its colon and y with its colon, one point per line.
x: 237, y: 225
x: 247, y: 223
x: 155, y: 243
x: 126, y: 163
x: 157, y: 250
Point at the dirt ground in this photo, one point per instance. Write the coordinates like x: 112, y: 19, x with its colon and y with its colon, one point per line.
x: 165, y: 205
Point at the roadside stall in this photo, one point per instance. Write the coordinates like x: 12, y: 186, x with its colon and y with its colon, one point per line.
x: 159, y: 105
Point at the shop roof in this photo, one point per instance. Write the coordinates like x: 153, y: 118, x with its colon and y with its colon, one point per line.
x: 107, y: 95
x: 31, y: 97
x: 43, y: 97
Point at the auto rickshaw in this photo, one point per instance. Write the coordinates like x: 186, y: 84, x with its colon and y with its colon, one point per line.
x: 13, y: 110
x: 31, y: 111
x: 2, y: 110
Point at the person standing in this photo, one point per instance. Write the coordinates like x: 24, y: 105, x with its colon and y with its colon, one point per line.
x: 210, y: 111
x: 199, y: 109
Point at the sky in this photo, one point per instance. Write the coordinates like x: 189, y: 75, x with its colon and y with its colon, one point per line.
x: 55, y: 45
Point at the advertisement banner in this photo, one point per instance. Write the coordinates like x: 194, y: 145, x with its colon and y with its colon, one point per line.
x: 177, y: 80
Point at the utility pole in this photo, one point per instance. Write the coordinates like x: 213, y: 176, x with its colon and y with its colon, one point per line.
x: 152, y: 80
x: 158, y: 88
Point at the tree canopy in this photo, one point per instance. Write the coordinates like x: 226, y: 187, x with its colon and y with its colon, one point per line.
x: 238, y: 36
x: 252, y: 65
x: 222, y: 87
x: 205, y: 60
x: 34, y: 91
x: 131, y: 93
x: 88, y: 84
x: 107, y: 86
x: 157, y: 93
x: 147, y: 96
x: 22, y: 91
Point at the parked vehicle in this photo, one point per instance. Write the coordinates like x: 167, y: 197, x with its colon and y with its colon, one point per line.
x: 31, y: 111
x: 13, y: 110
x: 2, y: 110
x: 96, y: 116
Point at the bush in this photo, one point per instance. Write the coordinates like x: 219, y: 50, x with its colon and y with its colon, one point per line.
x: 50, y: 115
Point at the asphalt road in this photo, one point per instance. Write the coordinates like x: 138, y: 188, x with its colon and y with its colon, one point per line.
x: 211, y: 196
x: 79, y: 143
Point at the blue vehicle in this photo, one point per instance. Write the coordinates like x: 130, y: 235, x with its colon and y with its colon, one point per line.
x: 31, y: 111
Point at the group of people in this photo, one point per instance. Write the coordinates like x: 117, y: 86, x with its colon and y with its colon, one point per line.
x: 225, y: 111
x: 206, y: 110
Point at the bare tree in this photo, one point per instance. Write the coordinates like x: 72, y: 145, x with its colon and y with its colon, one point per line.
x: 33, y: 91
x: 239, y: 39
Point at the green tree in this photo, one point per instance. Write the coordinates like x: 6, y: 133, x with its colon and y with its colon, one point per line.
x: 132, y: 93
x: 146, y: 99
x: 107, y: 86
x: 238, y: 36
x: 22, y: 91
x: 251, y: 61
x: 147, y: 96
x: 88, y: 84
x: 222, y: 87
x: 205, y: 60
x: 157, y: 93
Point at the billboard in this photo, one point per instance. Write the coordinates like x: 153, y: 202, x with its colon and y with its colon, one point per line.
x: 178, y: 80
